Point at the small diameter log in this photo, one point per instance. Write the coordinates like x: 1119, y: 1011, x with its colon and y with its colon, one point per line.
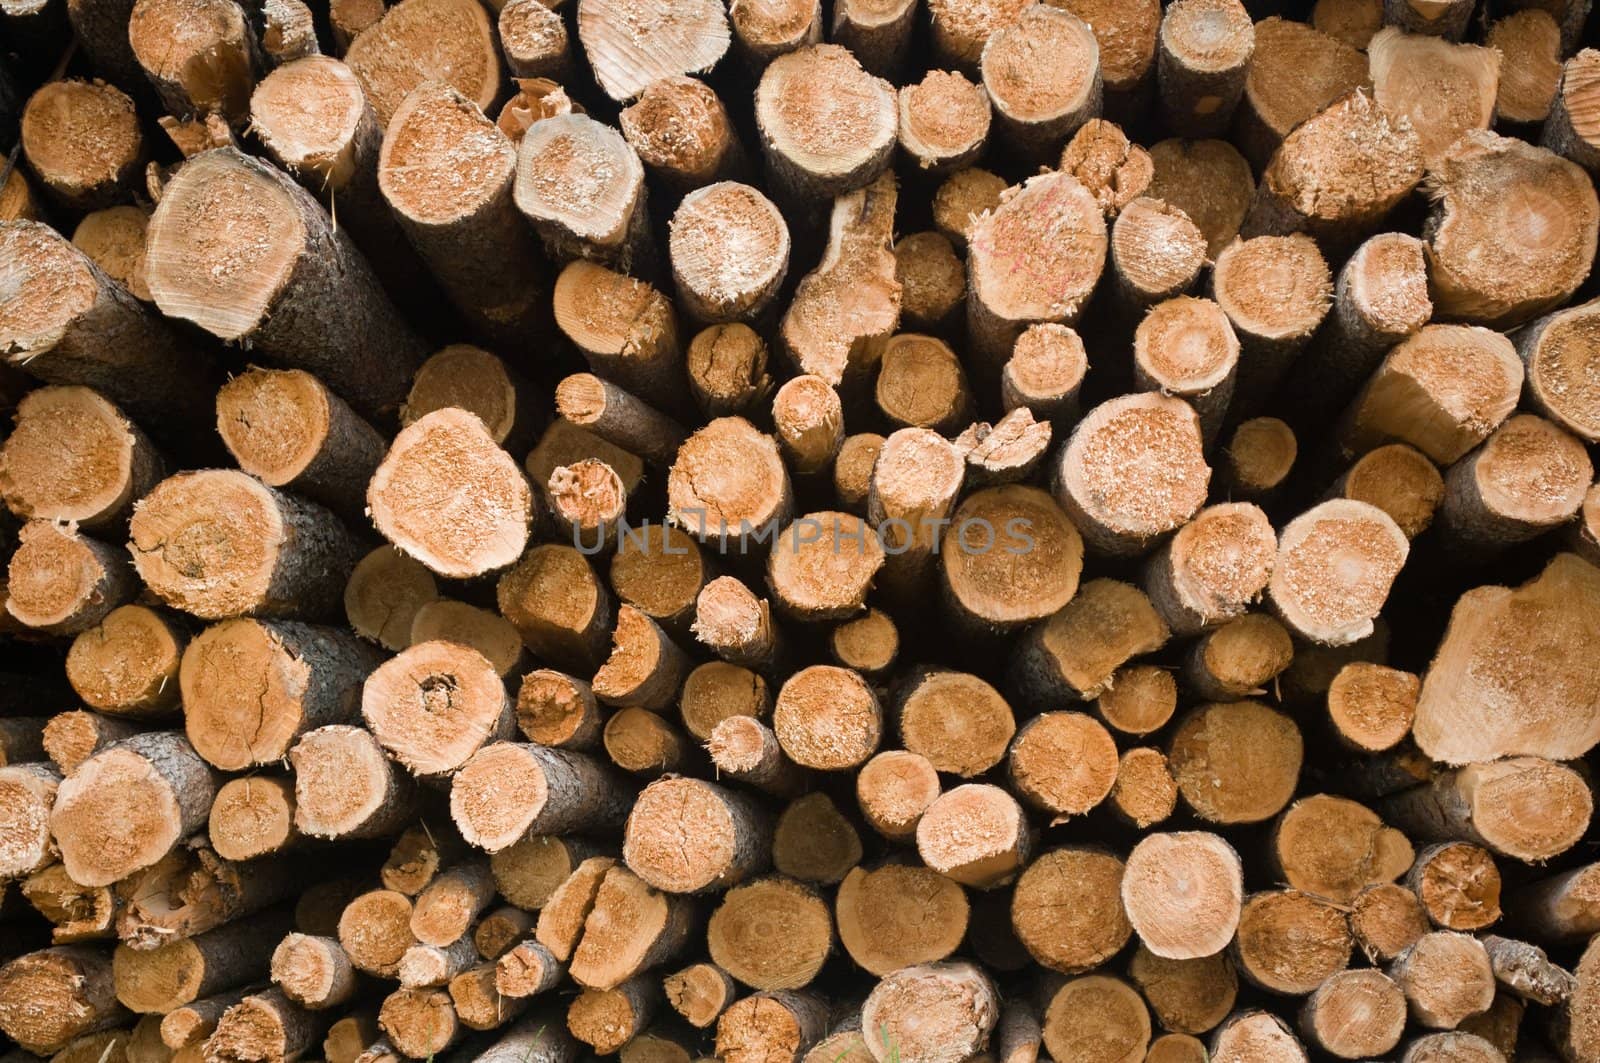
x: 1145, y: 793
x: 739, y: 941
x: 1054, y: 224
x: 288, y: 31
x: 425, y: 966
x: 626, y: 53
x: 404, y: 496
x: 921, y: 385
x: 682, y: 133
x: 285, y: 678
x: 1526, y: 971
x: 700, y: 993
x: 434, y: 705
x: 307, y: 297
x: 27, y: 792
x: 157, y: 980
x: 728, y: 480
x: 375, y: 931
x: 1209, y: 181
x: 535, y: 41
x: 1386, y: 919
x: 1481, y: 221
x: 962, y: 198
x: 1372, y: 706
x: 479, y: 1005
x: 1335, y: 565
x: 345, y: 787
x: 1183, y: 893
x: 588, y: 504
x: 200, y: 58
x: 728, y: 369
x: 780, y: 1025
x: 383, y: 594
x: 660, y: 570
x: 1063, y: 763
x: 1188, y: 996
x: 1456, y: 1046
x: 822, y: 565
x: 1156, y: 255
x: 1290, y: 942
x: 933, y: 281
x: 527, y: 969
x: 1446, y: 978
x: 828, y: 718
x: 1213, y: 568
x: 114, y: 238
x: 1187, y: 347
x: 1564, y: 907
x: 252, y: 816
x: 1334, y: 848
x: 956, y: 720
x: 1458, y: 884
x: 877, y: 32
x: 1469, y: 712
x: 66, y: 322
x: 736, y: 833
x: 808, y: 421
x: 1099, y: 1010
x: 557, y: 792
x: 418, y: 1023
x: 1529, y: 42
x: 1218, y: 780
x: 745, y: 749
x: 943, y: 121
x: 475, y: 380
x: 1075, y: 654
x: 914, y: 485
x: 1276, y: 290
x: 1255, y: 1037
x: 1239, y: 658
x: 351, y: 1037
x: 125, y: 808
x: 1120, y: 514
x: 582, y: 188
x: 1114, y: 170
x: 50, y: 997
x: 843, y: 310
x: 288, y: 430
x: 1044, y: 373
x: 714, y: 691
x: 737, y: 626
x: 487, y: 632
x: 420, y: 853
x: 1258, y: 458
x: 447, y: 907
x: 1398, y: 479
x: 814, y: 842
x: 817, y: 160
x: 939, y: 1012
x: 624, y: 328
x: 1296, y: 71
x: 189, y: 1026
x: 975, y: 834
x: 1570, y: 130
x: 59, y: 582
x: 852, y: 470
x: 558, y: 711
x: 1527, y: 477
x: 645, y: 668
x: 1202, y: 62
x: 1042, y: 73
x: 1443, y: 391
x: 82, y: 140
x: 894, y: 789
x: 607, y: 1019
x: 730, y: 252
x: 1357, y: 1014
x: 1004, y: 452
x: 764, y: 31
x: 1177, y: 1048
x: 562, y: 609
x: 314, y: 972
x: 1525, y: 808
x: 1067, y: 912
x: 500, y: 929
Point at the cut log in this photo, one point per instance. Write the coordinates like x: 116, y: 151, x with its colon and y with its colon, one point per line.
x: 82, y: 140
x: 1355, y: 1015
x: 314, y: 972
x: 995, y: 579
x: 827, y: 718
x: 1209, y: 181
x: 1570, y: 130
x: 426, y: 966
x: 344, y: 786
x: 735, y: 832
x: 1455, y: 1045
x: 527, y: 970
x: 1386, y: 920
x: 1276, y: 291
x: 736, y: 625
x: 1122, y: 512
x: 961, y: 28
x: 1113, y: 169
x: 808, y: 421
x: 933, y: 281
x: 59, y: 582
x: 375, y: 931
x: 1236, y: 762
x: 962, y: 198
x: 1458, y: 884
x: 628, y: 48
x: 416, y: 41
x: 822, y: 565
x: 898, y: 915
x: 155, y: 981
x: 975, y: 834
x: 567, y: 908
x: 1044, y: 373
x: 728, y: 369
x: 1528, y: 477
x: 643, y: 743
x: 1145, y: 793
x: 813, y: 841
x: 1539, y: 701
x: 1156, y: 254
x: 1063, y: 763
x: 1554, y: 350
x: 1099, y: 1010
x: 252, y: 816
x: 535, y: 41
x: 779, y: 1025
x: 1372, y: 706
x: 1295, y: 72
x: 1067, y: 909
x: 844, y: 309
x: 1529, y: 42
x: 560, y: 606
x: 1213, y: 568
x: 957, y: 721
x: 582, y: 187
x: 1459, y: 80
x: 877, y: 32
x: 763, y: 31
x: 700, y: 993
x: 1042, y: 73
x: 434, y: 705
x: 1055, y: 225
x: 739, y: 943
x: 557, y: 792
x: 1564, y: 907
x: 125, y: 808
x: 383, y: 594
x: 1335, y: 565
x: 66, y: 322
x: 302, y: 294
x: 1446, y: 978
x: 476, y: 381
x: 1398, y: 479
x: 50, y: 997
x: 201, y: 58
x: 682, y: 133
x: 827, y: 126
x: 1255, y: 1037
x: 1483, y: 216
x: 943, y: 121
x: 1442, y: 391
x: 1202, y: 62
x: 418, y: 1023
x: 114, y: 239
x: 714, y: 691
x: 921, y: 384
x: 624, y: 328
x: 939, y: 1012
x: 730, y: 252
x: 1074, y: 655
x: 1290, y: 942
x: 558, y: 711
x: 27, y: 792
x: 1187, y: 996
x: 607, y: 1019
x: 1239, y: 658
x: 1183, y: 893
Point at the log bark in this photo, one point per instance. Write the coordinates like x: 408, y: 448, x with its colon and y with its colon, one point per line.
x: 201, y: 58
x: 1569, y: 131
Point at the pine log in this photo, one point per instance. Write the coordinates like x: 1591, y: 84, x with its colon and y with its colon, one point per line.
x: 1187, y: 996
x: 1209, y: 181
x: 1155, y: 255
x: 700, y: 993
x: 607, y: 1019
x: 582, y: 188
x: 827, y: 718
x: 314, y: 972
x: 535, y: 41
x: 50, y: 997
x: 82, y: 140
x: 1062, y: 763
x: 1446, y: 977
x: 559, y: 605
x: 60, y: 582
x: 1564, y: 907
x: 975, y: 834
x: 943, y: 121
x: 624, y: 328
x: 735, y: 832
x: 1553, y: 350
x: 730, y: 252
x: 1080, y: 881
x: 1529, y: 42
x: 1570, y: 131
x: 1458, y: 884
x: 728, y: 369
x: 114, y: 239
x: 1042, y: 74
x: 27, y: 792
x: 416, y: 41
x: 201, y: 58
x: 1296, y: 71
x: 155, y: 981
x: 812, y: 160
x: 1098, y: 1010
x: 681, y: 131
x: 1255, y: 1037
x: 383, y: 594
x: 558, y: 792
x: 1386, y: 920
x: 1290, y: 942
x: 1043, y: 374
x: 1195, y: 920
x: 375, y: 931
x: 1202, y: 62
x: 1239, y: 658
x: 962, y: 198
x: 1075, y: 653
x: 1335, y: 565
x: 252, y: 816
x: 344, y: 786
x: 765, y: 30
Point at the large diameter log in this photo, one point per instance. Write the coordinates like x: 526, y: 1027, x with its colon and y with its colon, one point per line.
x: 66, y: 322
x: 125, y: 809
x: 217, y: 543
x: 1554, y: 349
x: 155, y: 981
x: 1513, y: 675
x: 301, y: 293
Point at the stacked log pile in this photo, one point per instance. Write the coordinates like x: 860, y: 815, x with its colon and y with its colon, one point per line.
x: 884, y: 531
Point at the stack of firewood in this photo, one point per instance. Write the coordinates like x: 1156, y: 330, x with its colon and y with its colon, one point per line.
x: 913, y: 532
